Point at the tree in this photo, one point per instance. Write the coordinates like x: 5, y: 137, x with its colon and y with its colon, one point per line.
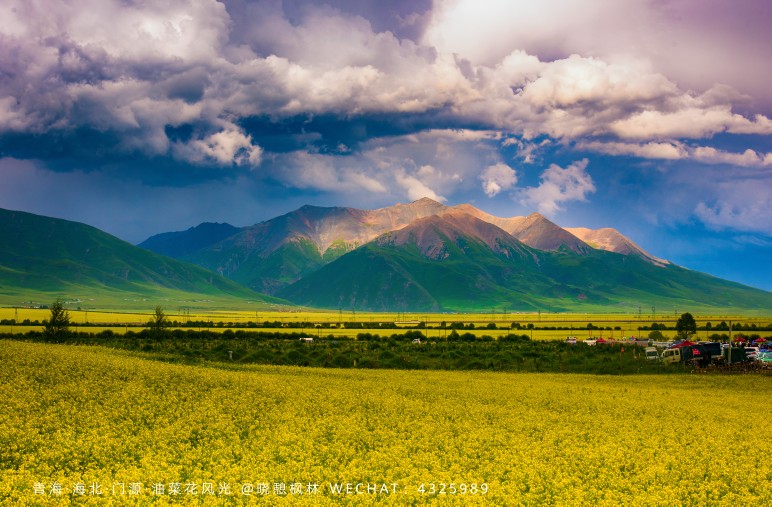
x: 58, y: 325
x: 656, y: 335
x: 686, y: 326
x: 159, y: 322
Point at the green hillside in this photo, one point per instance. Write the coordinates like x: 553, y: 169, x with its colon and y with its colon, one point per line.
x: 472, y: 276
x: 42, y: 258
x: 265, y: 272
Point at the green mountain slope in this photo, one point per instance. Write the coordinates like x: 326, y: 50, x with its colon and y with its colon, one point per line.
x: 41, y: 257
x: 451, y: 264
x: 273, y: 254
x: 278, y: 252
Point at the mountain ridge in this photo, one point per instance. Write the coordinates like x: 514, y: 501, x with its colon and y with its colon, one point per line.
x: 438, y: 264
x: 277, y: 252
x: 422, y: 256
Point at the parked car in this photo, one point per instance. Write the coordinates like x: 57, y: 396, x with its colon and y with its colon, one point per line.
x: 765, y: 358
x: 651, y: 353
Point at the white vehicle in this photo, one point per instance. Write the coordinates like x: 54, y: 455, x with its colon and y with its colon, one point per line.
x: 651, y: 353
x: 590, y: 342
x: 751, y: 352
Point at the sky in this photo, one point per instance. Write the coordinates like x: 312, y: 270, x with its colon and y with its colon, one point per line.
x: 649, y: 116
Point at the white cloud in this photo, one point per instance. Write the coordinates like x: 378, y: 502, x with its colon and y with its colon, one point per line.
x: 526, y: 150
x: 695, y: 43
x: 227, y: 147
x: 746, y: 212
x: 748, y: 158
x: 690, y: 122
x: 152, y: 31
x: 415, y: 188
x: 665, y: 150
x: 498, y: 177
x: 558, y: 186
x: 578, y: 80
x: 328, y: 173
x: 674, y: 150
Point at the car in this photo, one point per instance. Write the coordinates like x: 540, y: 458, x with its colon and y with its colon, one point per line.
x: 765, y: 357
x: 751, y: 352
x: 590, y: 342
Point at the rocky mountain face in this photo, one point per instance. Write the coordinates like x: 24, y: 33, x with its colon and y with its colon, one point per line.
x: 612, y: 240
x: 457, y: 262
x: 534, y: 230
x: 425, y: 255
x: 275, y: 253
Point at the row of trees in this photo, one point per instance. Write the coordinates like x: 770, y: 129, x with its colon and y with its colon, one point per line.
x: 58, y: 324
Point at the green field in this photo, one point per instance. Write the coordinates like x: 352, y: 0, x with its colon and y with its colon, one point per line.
x: 82, y: 420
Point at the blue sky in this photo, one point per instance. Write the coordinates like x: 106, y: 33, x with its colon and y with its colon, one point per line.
x: 647, y: 116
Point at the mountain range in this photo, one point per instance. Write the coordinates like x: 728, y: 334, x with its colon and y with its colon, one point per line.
x: 425, y: 256
x: 421, y: 256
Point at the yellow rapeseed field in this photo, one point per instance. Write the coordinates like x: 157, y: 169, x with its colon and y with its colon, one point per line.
x: 91, y: 426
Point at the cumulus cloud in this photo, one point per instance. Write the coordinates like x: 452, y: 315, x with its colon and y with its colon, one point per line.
x: 415, y: 188
x: 695, y: 43
x: 304, y: 170
x: 742, y: 205
x: 690, y: 122
x: 498, y: 177
x: 581, y: 80
x: 665, y: 150
x: 748, y: 158
x: 674, y: 150
x: 227, y: 147
x: 557, y: 186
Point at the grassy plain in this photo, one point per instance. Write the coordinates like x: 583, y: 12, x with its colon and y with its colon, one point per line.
x: 81, y: 419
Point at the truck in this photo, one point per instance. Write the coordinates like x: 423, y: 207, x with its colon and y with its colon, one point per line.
x: 714, y: 349
x: 735, y: 355
x: 687, y: 354
x: 651, y: 353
